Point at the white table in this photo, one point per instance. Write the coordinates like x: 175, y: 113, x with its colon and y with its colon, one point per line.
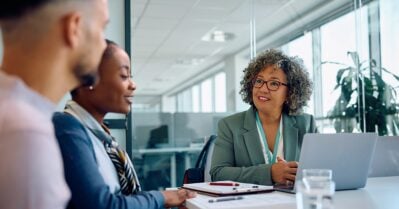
x: 380, y: 193
x: 172, y: 151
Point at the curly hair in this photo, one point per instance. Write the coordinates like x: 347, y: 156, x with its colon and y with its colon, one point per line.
x: 299, y: 84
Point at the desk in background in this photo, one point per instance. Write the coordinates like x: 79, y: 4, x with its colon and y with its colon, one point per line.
x: 380, y: 193
x: 172, y: 152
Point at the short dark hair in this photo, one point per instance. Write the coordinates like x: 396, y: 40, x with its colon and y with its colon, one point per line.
x: 299, y: 83
x: 10, y: 9
x: 108, y: 52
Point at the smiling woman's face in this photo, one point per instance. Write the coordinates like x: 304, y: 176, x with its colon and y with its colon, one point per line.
x: 114, y: 92
x: 266, y: 100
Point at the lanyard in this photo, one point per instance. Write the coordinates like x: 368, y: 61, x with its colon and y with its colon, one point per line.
x: 269, y: 157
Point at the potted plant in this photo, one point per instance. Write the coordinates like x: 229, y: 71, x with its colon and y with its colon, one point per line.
x: 366, y: 100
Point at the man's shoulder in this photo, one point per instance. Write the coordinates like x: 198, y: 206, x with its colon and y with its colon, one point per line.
x: 18, y: 115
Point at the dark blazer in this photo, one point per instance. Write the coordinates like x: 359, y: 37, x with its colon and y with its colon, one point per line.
x: 238, y: 152
x: 83, y: 177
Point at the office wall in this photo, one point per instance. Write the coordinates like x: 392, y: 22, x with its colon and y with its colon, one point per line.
x: 156, y: 130
x: 192, y: 127
x: 116, y: 27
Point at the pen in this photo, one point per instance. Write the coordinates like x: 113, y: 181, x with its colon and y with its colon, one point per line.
x: 224, y: 184
x: 225, y: 199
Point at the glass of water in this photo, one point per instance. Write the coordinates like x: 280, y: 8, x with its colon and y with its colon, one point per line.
x: 316, y: 190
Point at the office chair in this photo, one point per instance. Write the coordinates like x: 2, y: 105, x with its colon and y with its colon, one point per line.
x: 200, y: 173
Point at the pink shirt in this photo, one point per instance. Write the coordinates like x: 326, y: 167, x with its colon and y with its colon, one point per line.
x: 31, y: 169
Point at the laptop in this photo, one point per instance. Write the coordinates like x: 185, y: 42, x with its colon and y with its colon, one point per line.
x: 386, y: 157
x: 348, y: 155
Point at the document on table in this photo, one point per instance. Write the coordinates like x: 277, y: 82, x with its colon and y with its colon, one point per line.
x: 225, y: 188
x: 254, y: 201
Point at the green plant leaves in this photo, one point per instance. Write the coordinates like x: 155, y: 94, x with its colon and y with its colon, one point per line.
x: 363, y: 80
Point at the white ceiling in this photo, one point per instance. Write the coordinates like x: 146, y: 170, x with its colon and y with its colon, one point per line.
x: 166, y: 34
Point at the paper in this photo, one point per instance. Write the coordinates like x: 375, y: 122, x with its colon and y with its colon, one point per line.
x: 255, y: 201
x: 243, y: 188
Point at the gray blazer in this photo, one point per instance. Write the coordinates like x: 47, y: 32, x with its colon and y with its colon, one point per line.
x: 238, y: 156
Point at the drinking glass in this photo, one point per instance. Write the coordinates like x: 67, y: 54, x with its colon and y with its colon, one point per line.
x: 315, y: 190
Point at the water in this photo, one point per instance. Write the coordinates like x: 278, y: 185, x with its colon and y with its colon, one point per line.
x: 315, y: 199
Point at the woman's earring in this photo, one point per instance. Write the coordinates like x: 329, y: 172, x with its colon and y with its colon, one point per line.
x: 91, y: 88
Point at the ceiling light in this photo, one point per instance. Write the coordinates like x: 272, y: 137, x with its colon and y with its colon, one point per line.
x: 218, y: 36
x: 189, y: 62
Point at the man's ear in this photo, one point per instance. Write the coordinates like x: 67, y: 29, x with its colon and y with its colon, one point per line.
x: 72, y: 26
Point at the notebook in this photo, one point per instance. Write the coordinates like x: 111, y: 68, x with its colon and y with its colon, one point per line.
x: 348, y: 155
x: 226, y: 190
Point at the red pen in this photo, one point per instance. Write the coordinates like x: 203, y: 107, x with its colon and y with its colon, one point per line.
x: 224, y: 184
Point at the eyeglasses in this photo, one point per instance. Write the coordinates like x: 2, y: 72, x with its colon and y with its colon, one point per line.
x: 272, y: 85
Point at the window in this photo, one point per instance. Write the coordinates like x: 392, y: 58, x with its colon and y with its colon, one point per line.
x: 337, y: 39
x: 302, y: 47
x: 206, y: 96
x: 389, y: 31
x: 389, y: 17
x: 220, y: 92
x: 196, y: 98
x: 184, y: 101
x: 179, y: 103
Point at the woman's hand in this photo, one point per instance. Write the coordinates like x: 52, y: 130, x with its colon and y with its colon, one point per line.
x: 175, y: 198
x: 284, y: 172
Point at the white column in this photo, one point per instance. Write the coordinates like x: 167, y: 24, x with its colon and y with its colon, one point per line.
x: 234, y: 66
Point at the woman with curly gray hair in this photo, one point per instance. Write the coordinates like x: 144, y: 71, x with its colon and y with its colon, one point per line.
x: 262, y: 145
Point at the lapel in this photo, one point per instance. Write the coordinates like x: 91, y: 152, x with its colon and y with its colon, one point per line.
x: 290, y: 137
x: 251, y: 138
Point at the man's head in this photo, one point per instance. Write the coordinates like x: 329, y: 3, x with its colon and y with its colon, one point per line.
x: 16, y: 8
x: 70, y: 32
